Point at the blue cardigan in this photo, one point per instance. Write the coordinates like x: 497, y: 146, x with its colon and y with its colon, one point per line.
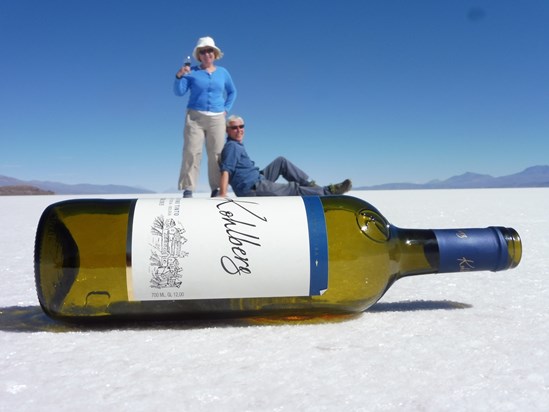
x: 210, y: 92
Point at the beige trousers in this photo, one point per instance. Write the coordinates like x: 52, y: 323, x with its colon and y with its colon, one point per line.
x: 200, y: 129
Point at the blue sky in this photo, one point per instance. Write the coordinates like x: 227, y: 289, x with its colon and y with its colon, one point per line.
x: 377, y: 91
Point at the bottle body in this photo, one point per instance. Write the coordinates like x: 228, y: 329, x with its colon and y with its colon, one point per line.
x: 83, y: 255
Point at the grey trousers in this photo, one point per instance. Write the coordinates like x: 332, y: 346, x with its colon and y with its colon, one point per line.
x: 297, y: 185
x: 200, y: 129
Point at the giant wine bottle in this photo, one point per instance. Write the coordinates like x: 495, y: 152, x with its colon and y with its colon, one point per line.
x: 217, y: 257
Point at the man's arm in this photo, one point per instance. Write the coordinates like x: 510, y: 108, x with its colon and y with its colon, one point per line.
x: 224, y: 184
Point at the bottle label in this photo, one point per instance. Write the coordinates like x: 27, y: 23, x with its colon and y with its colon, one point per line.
x: 227, y: 248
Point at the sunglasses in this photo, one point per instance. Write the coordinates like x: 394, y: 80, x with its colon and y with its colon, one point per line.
x: 205, y: 51
x: 240, y: 126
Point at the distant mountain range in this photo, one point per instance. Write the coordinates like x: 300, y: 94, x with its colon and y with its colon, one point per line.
x: 535, y: 176
x: 65, y: 189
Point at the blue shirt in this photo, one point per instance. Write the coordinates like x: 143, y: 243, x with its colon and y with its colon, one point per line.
x: 210, y: 92
x: 243, y: 173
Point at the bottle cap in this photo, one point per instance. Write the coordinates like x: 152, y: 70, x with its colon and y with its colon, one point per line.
x: 463, y: 250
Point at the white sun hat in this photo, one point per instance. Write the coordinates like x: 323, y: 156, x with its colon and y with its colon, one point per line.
x: 206, y: 42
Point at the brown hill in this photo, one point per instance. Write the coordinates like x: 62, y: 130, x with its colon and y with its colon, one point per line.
x: 21, y: 190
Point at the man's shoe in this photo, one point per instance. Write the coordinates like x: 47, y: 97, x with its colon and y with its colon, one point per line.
x: 187, y: 194
x: 340, y: 188
x: 215, y: 192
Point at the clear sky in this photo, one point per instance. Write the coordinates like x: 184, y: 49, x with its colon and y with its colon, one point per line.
x: 377, y: 91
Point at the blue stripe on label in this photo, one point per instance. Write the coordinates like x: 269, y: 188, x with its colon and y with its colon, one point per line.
x: 318, y: 245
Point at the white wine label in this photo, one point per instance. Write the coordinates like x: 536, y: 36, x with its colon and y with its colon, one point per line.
x: 227, y: 248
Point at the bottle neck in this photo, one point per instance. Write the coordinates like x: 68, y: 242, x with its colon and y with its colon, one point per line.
x: 456, y: 250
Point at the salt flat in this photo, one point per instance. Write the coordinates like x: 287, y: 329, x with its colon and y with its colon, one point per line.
x: 453, y: 342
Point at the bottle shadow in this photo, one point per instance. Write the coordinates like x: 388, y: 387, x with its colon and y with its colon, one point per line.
x: 417, y: 305
x: 33, y: 319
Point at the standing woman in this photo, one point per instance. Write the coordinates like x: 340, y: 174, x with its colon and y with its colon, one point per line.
x: 212, y: 96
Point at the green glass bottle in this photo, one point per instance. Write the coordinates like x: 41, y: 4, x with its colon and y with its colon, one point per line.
x: 287, y: 257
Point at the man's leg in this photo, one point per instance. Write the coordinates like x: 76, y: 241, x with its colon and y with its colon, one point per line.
x: 283, y: 167
x: 268, y: 188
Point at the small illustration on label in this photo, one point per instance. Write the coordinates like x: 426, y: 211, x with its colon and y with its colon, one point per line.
x: 166, y: 253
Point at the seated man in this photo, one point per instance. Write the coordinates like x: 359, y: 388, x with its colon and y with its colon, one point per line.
x: 238, y: 170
